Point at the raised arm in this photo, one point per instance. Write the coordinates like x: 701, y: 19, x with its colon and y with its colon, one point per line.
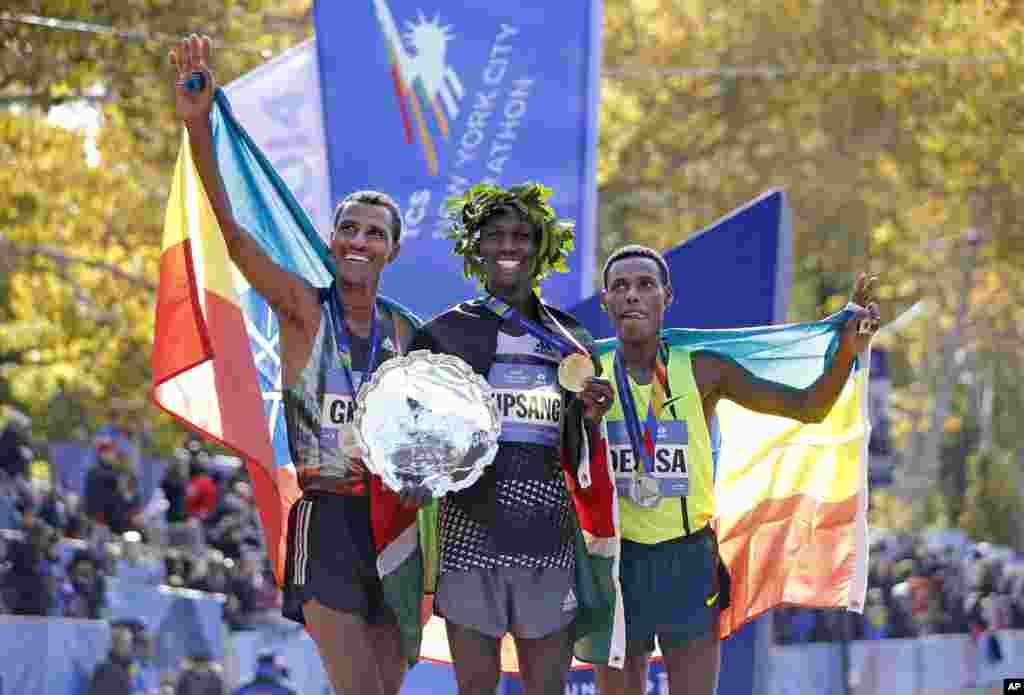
x: 719, y: 377
x: 288, y: 294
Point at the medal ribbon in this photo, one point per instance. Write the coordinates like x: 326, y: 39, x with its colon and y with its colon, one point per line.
x: 341, y: 338
x: 642, y: 440
x: 504, y: 311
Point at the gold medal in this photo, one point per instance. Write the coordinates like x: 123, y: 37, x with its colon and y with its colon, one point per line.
x: 574, y: 371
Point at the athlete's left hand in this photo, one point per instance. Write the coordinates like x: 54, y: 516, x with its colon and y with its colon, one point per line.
x: 862, y: 326
x: 597, y: 397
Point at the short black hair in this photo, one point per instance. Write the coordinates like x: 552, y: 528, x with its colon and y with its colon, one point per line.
x: 373, y: 198
x: 637, y: 251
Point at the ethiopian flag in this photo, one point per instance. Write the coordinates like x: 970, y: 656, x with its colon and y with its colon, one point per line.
x: 216, y: 360
x: 790, y: 498
x: 203, y: 366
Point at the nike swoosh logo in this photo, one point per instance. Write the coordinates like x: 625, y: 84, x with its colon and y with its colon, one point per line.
x: 673, y: 401
x: 711, y: 599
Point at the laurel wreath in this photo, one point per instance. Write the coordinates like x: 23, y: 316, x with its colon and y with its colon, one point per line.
x: 468, y: 213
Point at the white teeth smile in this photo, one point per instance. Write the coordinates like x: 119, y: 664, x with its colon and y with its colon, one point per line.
x: 361, y: 259
x: 508, y: 265
x: 632, y: 315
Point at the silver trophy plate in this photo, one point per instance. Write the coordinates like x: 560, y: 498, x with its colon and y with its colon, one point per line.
x: 427, y: 420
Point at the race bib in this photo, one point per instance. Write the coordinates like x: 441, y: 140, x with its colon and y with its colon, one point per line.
x: 338, y: 410
x: 669, y: 458
x: 529, y: 401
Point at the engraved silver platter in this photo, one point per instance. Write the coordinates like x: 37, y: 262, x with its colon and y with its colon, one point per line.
x: 427, y: 420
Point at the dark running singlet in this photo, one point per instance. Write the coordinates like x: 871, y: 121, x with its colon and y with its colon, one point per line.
x: 531, y: 521
x: 319, y: 406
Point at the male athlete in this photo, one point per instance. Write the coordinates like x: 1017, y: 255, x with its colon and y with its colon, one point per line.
x: 507, y: 543
x: 673, y: 584
x: 330, y: 340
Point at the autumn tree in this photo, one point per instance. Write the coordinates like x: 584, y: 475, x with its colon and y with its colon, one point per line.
x: 81, y: 208
x: 890, y: 127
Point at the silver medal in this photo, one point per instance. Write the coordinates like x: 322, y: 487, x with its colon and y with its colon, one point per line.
x: 646, y: 491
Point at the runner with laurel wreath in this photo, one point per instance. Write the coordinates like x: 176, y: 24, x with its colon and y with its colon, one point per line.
x: 508, y: 543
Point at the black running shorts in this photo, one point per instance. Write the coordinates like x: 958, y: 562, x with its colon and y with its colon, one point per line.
x: 331, y: 558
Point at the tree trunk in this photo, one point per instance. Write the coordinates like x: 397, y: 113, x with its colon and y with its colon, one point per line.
x: 923, y: 464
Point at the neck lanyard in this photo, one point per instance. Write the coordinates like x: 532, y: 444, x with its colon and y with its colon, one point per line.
x: 341, y: 338
x: 567, y: 344
x: 643, y: 440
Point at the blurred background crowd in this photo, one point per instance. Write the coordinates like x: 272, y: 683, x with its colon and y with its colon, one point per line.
x: 922, y: 585
x: 62, y: 553
x: 201, y: 531
x: 198, y: 530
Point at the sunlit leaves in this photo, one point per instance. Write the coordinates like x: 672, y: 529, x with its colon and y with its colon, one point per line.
x: 80, y: 240
x: 894, y: 128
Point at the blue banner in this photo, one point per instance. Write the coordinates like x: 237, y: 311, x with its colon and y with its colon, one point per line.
x: 734, y: 274
x: 424, y: 98
x: 279, y: 105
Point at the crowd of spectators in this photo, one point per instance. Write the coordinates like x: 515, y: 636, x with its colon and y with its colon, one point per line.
x: 918, y: 588
x: 123, y: 671
x: 61, y: 552
x: 201, y: 531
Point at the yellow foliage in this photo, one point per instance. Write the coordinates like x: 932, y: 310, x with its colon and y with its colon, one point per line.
x: 890, y: 512
x: 80, y: 243
x: 883, y: 233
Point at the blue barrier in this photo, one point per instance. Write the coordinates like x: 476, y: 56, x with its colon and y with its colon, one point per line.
x: 581, y: 682
x: 737, y: 651
x: 47, y: 655
x: 297, y: 650
x: 57, y: 657
x: 294, y: 647
x: 182, y: 623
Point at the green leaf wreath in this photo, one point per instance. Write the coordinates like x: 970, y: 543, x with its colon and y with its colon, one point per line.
x: 468, y: 212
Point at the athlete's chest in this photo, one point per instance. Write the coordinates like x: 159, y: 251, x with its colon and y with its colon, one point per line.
x: 524, y: 384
